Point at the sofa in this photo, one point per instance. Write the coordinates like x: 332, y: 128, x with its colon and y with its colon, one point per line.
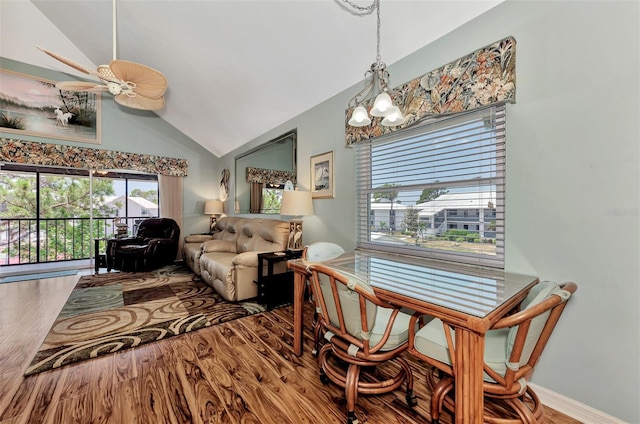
x: 227, y: 260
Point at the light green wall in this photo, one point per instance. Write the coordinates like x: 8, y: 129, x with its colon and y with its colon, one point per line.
x: 573, y: 206
x: 134, y: 131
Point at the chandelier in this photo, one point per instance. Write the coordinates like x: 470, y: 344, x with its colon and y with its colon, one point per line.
x: 376, y: 84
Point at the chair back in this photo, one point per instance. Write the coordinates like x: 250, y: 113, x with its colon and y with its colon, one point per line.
x: 349, y: 309
x: 321, y: 251
x: 529, y: 329
x: 159, y: 228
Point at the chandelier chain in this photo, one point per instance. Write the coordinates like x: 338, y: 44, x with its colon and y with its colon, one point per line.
x: 378, y: 82
x: 366, y: 10
x: 378, y: 57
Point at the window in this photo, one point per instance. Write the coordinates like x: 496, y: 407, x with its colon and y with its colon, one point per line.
x: 52, y: 214
x: 436, y: 189
x: 271, y: 198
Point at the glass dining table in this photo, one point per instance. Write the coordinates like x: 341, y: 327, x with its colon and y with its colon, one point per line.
x: 470, y: 298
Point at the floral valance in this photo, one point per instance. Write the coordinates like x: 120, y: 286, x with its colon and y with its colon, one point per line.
x: 484, y: 77
x: 269, y: 176
x: 34, y: 153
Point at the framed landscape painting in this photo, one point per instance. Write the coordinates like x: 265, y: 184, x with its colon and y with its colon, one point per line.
x: 34, y: 106
x: 322, y: 176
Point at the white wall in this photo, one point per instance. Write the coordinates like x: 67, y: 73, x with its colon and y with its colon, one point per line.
x: 134, y: 131
x: 573, y: 178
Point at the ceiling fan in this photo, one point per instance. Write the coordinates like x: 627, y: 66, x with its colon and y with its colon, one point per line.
x: 132, y: 84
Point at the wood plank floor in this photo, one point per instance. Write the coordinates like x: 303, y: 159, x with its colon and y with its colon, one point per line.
x: 242, y: 371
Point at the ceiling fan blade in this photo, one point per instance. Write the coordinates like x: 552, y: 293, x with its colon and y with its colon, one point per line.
x: 140, y: 102
x: 149, y: 82
x: 68, y: 62
x: 80, y: 86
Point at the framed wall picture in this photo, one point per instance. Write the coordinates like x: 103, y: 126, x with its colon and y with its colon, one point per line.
x: 34, y: 106
x: 322, y: 176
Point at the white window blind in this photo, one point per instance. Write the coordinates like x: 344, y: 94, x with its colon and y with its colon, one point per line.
x: 436, y: 189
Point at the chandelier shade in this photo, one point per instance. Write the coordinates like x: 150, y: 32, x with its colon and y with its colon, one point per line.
x: 359, y: 118
x: 382, y: 105
x: 394, y: 118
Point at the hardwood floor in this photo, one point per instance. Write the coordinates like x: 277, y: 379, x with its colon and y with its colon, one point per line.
x: 242, y: 371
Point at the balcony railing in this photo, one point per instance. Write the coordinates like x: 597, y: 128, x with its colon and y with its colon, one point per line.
x: 32, y: 240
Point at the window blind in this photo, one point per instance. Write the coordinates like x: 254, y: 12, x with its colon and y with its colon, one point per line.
x: 436, y: 189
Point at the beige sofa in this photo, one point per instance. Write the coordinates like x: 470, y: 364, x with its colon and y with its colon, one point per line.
x: 192, y: 247
x: 228, y: 259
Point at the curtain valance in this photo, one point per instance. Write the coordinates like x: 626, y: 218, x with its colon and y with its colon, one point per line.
x: 269, y: 176
x: 486, y: 76
x: 34, y: 153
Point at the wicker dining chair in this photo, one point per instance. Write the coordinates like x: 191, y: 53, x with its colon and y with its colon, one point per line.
x: 319, y: 251
x: 363, y: 333
x: 512, y: 349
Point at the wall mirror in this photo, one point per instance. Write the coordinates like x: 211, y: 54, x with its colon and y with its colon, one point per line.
x: 270, y: 165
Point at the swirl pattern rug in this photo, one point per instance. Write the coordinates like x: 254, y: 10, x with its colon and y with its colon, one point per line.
x: 109, y: 312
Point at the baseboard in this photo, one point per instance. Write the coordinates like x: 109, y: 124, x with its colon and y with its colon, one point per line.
x: 573, y: 408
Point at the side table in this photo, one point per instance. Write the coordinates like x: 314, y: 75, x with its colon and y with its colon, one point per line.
x: 99, y: 259
x: 275, y: 289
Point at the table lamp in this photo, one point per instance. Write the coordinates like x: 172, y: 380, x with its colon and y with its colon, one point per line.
x: 213, y: 208
x: 296, y: 204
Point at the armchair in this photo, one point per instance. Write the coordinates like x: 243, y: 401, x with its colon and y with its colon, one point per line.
x: 512, y: 349
x: 155, y: 245
x: 363, y: 333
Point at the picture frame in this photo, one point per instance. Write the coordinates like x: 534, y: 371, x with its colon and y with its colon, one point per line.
x: 34, y: 106
x: 322, y: 184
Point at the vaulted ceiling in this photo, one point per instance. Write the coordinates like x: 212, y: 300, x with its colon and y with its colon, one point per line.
x: 236, y: 68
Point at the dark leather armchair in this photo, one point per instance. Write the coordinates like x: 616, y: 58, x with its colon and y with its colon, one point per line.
x: 155, y: 245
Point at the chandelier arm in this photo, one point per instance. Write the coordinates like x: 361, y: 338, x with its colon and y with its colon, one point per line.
x: 362, y: 94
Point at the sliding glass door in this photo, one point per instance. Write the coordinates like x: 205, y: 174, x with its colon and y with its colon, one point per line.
x: 53, y: 214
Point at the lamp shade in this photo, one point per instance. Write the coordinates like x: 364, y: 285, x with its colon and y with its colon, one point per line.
x: 394, y: 118
x: 382, y: 106
x: 359, y: 117
x: 296, y: 203
x: 213, y: 207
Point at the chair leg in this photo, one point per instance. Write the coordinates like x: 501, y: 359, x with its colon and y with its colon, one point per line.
x: 351, y: 392
x: 438, y: 395
x: 317, y: 335
x: 324, y: 379
x: 411, y: 398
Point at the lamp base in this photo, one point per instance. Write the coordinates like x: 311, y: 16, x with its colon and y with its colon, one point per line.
x: 295, y: 235
x: 212, y: 224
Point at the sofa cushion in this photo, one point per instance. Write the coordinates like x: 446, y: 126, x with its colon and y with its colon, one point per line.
x: 197, y: 238
x: 246, y: 259
x: 217, y: 270
x: 219, y: 246
x: 228, y: 228
x: 262, y: 235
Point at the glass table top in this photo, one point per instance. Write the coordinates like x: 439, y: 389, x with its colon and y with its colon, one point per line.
x: 473, y: 290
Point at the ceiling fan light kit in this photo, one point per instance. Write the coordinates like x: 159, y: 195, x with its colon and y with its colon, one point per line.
x: 376, y: 83
x: 133, y: 85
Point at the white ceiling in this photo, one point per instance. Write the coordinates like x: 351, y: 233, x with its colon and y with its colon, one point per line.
x: 236, y: 68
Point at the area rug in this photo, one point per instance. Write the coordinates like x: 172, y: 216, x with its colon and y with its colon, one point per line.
x: 110, y: 312
x: 40, y: 276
